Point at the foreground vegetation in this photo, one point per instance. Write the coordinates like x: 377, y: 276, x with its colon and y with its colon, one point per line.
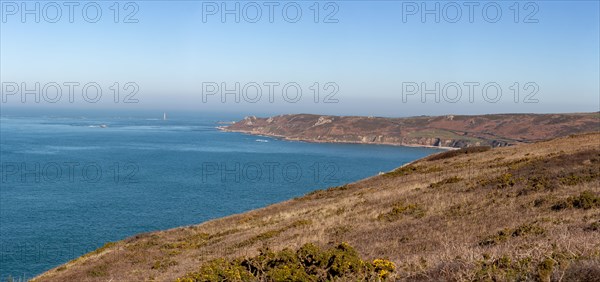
x: 521, y: 213
x: 309, y: 263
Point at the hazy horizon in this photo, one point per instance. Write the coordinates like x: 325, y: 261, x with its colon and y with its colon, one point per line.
x: 174, y: 114
x: 365, y: 58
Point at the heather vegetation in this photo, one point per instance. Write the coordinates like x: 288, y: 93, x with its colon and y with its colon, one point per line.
x: 523, y: 213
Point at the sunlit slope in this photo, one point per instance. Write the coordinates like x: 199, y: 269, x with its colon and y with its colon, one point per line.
x: 457, y: 131
x: 529, y: 212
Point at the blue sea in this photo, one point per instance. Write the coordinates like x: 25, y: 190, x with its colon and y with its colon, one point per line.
x: 71, y: 183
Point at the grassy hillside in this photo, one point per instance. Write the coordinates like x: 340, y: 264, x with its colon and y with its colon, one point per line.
x: 457, y: 131
x: 527, y: 212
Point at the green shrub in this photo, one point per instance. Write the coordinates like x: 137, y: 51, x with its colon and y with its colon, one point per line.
x: 163, y: 264
x: 450, y: 180
x: 580, y: 176
x: 503, y: 269
x: 98, y: 271
x: 585, y: 200
x: 308, y: 263
x: 219, y: 270
x: 400, y: 209
x: 495, y: 239
x: 405, y: 170
x: 538, y: 183
x: 506, y: 233
x: 505, y: 181
x: 384, y: 268
x: 545, y: 269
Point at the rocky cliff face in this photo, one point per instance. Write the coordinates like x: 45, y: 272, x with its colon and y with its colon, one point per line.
x: 441, y: 131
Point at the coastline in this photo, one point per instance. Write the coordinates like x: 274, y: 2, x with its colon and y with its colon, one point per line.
x: 255, y: 210
x: 225, y: 129
x: 302, y: 216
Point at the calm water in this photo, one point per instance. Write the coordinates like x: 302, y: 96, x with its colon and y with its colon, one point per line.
x: 68, y: 185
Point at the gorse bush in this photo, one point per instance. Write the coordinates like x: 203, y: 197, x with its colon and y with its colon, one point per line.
x: 507, y: 233
x: 450, y: 180
x: 405, y: 170
x: 400, y: 209
x: 308, y: 263
x: 585, y: 200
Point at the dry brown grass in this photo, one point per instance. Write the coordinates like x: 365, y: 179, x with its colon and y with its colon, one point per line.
x: 479, y: 216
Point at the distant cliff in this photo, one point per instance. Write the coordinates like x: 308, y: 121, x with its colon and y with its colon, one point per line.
x: 457, y: 131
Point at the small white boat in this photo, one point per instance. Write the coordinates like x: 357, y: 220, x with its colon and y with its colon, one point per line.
x: 103, y: 126
x: 262, y: 140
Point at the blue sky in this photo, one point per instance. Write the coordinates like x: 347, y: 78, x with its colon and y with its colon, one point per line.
x: 369, y: 54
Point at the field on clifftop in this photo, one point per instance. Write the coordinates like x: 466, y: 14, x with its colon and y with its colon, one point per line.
x: 529, y: 212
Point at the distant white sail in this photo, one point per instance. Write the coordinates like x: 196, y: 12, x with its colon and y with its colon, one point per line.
x: 164, y: 116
